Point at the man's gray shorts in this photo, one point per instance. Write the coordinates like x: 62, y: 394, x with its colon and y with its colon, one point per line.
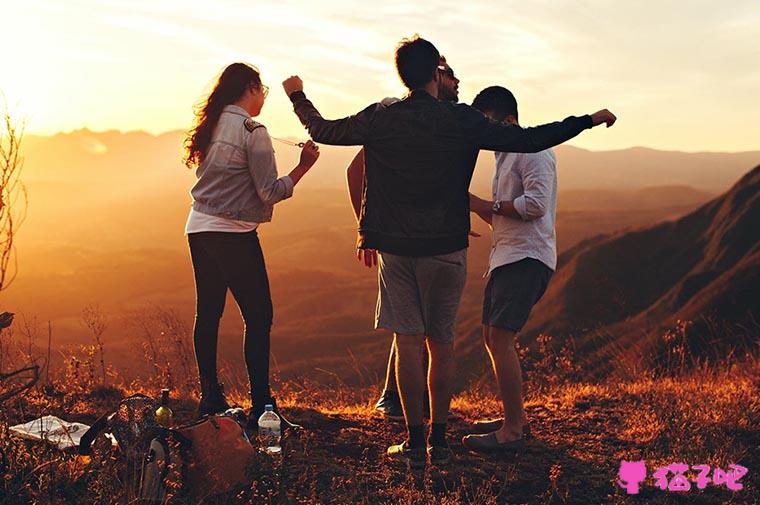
x: 420, y: 295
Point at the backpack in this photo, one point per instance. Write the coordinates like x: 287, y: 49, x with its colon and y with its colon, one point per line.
x: 215, y: 455
x: 133, y: 425
x: 218, y: 457
x: 144, y: 442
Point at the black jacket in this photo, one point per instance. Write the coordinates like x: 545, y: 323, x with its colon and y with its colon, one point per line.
x: 419, y: 157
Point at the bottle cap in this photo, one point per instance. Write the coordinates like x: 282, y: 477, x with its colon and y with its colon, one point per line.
x: 268, y: 408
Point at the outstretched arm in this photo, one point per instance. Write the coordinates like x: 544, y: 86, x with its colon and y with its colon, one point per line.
x: 513, y: 138
x: 349, y: 131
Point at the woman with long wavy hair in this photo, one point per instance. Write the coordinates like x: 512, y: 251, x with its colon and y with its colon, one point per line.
x: 237, y: 187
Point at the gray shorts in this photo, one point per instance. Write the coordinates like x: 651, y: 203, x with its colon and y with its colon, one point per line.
x: 420, y: 295
x: 512, y: 291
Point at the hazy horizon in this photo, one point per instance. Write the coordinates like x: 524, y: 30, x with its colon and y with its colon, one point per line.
x: 296, y: 137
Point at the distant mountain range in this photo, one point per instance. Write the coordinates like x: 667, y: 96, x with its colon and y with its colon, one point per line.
x: 74, y: 154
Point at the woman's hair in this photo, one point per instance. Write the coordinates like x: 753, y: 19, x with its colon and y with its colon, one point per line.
x: 230, y: 86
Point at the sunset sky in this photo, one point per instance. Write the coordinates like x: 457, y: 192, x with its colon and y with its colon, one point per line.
x: 680, y: 75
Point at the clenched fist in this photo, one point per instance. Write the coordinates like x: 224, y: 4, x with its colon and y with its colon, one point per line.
x: 292, y: 84
x: 309, y: 154
x: 603, y: 116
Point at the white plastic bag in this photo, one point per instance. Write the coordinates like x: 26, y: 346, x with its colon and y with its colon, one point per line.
x: 53, y: 430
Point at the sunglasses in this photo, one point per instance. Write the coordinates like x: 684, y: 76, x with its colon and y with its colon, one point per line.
x: 447, y: 71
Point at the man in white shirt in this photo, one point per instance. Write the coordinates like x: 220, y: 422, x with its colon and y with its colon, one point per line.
x: 523, y: 259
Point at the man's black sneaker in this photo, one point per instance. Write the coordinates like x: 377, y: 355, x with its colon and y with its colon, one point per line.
x: 389, y: 405
x: 416, y: 458
x: 440, y: 455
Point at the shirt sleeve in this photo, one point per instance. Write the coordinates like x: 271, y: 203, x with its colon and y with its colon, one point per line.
x: 494, y: 136
x: 538, y: 184
x: 349, y: 131
x: 263, y: 169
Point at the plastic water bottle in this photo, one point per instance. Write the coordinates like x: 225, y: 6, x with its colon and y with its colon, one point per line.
x: 269, y: 430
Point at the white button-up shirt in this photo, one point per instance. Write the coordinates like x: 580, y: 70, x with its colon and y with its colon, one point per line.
x: 529, y: 180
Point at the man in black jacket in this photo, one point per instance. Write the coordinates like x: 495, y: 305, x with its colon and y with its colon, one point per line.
x: 420, y: 154
x: 389, y: 403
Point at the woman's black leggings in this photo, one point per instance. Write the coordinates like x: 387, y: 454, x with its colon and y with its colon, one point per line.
x: 224, y: 260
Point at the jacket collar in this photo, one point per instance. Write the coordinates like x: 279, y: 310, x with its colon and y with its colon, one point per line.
x: 421, y: 94
x: 234, y: 109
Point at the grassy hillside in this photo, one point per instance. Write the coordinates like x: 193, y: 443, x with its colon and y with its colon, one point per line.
x: 582, y: 431
x: 627, y: 289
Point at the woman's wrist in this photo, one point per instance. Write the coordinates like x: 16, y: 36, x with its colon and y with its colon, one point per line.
x: 298, y: 172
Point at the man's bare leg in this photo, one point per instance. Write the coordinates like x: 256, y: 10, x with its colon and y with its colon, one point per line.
x: 439, y: 379
x: 500, y: 344
x: 440, y: 374
x: 411, y: 383
x: 390, y: 373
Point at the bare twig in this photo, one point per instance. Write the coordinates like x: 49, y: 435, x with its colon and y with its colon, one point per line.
x: 47, y: 365
x: 97, y: 322
x: 13, y: 207
x: 30, y: 382
x: 13, y: 196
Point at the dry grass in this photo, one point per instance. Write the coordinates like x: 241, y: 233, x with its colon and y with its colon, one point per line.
x: 582, y: 430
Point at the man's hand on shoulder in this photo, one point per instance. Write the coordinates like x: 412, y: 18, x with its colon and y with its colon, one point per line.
x: 389, y: 100
x: 603, y: 116
x: 292, y: 84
